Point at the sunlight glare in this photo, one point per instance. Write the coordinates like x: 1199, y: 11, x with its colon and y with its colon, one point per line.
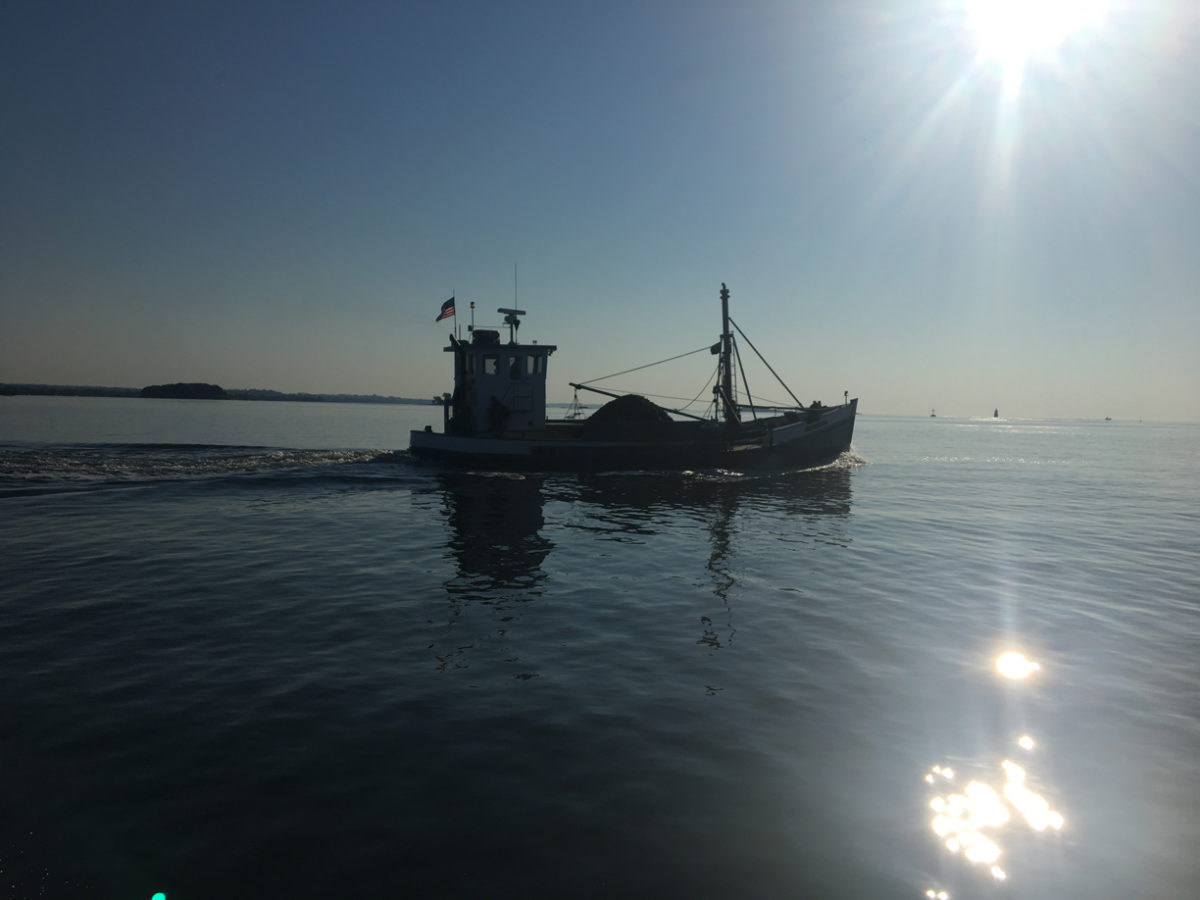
x: 1010, y: 31
x: 970, y: 823
x: 1015, y: 665
x: 1033, y: 807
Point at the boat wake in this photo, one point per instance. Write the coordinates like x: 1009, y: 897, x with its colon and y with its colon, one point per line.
x: 41, y: 468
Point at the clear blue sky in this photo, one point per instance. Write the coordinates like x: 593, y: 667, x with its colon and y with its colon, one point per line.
x: 281, y: 195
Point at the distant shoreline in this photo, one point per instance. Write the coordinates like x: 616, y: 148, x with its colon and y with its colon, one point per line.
x: 65, y: 390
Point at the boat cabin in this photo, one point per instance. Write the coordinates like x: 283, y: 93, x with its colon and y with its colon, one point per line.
x: 498, y: 388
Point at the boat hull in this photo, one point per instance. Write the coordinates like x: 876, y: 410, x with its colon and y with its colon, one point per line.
x: 805, y: 443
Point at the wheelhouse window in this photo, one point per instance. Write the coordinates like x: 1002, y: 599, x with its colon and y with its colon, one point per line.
x: 491, y: 364
x: 536, y: 365
x: 515, y: 367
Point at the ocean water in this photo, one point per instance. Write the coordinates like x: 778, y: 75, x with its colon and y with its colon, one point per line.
x: 251, y: 650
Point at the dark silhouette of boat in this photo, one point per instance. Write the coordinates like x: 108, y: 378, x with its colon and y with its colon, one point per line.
x: 496, y: 418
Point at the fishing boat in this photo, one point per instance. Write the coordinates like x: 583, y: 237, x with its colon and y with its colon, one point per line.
x: 496, y: 417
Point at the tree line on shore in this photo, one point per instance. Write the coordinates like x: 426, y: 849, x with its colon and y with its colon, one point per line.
x: 193, y: 390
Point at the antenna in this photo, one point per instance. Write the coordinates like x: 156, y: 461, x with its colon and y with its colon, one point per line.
x: 511, y: 320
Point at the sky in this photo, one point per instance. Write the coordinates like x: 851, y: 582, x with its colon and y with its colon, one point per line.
x: 915, y: 202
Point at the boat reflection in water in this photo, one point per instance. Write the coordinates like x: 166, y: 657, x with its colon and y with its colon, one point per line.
x: 495, y: 523
x: 495, y: 527
x: 728, y: 509
x: 499, y: 535
x: 812, y: 500
x: 972, y: 819
x: 497, y: 519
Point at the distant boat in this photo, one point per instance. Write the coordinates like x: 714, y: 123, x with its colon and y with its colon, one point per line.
x: 933, y: 414
x: 496, y: 418
x: 996, y: 413
x: 1108, y: 418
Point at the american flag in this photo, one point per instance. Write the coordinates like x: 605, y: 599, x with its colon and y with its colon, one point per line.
x: 447, y: 310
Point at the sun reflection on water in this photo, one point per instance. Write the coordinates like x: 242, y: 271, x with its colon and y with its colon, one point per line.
x: 1034, y: 807
x: 970, y: 822
x: 1015, y: 665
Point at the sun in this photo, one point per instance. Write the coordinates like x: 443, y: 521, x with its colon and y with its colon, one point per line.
x: 1009, y: 32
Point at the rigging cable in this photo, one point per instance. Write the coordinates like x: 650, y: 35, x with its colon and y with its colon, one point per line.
x: 767, y: 364
x: 649, y: 394
x: 648, y: 365
x: 705, y: 388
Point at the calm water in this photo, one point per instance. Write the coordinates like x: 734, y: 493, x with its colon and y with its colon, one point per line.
x: 249, y: 650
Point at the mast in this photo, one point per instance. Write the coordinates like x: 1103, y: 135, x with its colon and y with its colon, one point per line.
x: 728, y: 405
